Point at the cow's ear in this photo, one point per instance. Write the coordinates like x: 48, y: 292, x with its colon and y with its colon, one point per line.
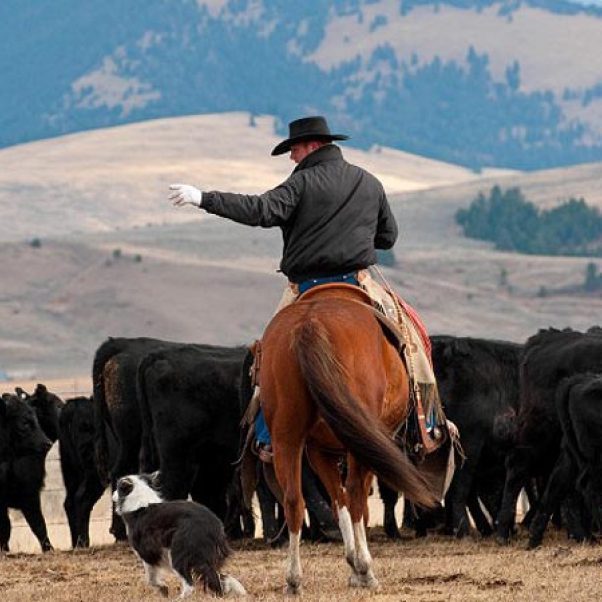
x: 40, y: 389
x: 21, y: 394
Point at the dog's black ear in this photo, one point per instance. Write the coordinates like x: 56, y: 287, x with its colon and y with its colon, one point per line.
x: 154, y: 479
x: 124, y: 487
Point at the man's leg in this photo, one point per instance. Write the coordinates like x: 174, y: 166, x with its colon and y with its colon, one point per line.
x: 264, y: 440
x: 378, y: 294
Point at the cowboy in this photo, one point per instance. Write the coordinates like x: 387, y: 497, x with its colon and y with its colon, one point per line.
x: 333, y: 217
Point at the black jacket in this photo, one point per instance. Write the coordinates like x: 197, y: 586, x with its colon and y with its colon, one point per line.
x: 333, y: 215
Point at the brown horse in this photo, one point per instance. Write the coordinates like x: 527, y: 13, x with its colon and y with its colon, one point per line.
x: 331, y: 381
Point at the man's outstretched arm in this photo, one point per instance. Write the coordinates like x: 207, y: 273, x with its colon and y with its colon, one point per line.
x: 272, y: 208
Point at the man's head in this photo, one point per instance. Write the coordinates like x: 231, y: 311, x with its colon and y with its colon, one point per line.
x: 306, y: 131
x: 300, y: 150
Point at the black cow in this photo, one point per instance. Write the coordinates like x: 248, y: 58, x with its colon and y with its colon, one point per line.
x: 189, y: 401
x: 117, y: 415
x: 579, y: 465
x: 478, y: 382
x: 579, y: 404
x: 23, y: 468
x: 83, y: 485
x: 549, y: 356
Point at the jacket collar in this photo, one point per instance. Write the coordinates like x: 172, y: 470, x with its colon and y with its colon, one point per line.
x: 328, y: 152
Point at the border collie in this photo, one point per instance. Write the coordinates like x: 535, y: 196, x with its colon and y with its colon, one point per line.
x: 179, y: 535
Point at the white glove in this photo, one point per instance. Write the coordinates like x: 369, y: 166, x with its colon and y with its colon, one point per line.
x: 183, y: 194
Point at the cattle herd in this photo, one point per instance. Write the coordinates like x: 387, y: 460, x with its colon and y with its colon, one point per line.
x: 529, y: 416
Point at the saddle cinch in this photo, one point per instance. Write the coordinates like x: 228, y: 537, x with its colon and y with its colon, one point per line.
x: 425, y: 434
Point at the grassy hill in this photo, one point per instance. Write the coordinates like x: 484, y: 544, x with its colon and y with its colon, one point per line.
x: 118, y: 177
x: 101, y: 270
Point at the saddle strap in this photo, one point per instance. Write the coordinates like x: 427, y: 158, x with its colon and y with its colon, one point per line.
x: 256, y: 366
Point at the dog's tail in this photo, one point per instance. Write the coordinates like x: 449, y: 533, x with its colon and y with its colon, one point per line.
x: 232, y: 586
x: 208, y: 570
x: 199, y: 549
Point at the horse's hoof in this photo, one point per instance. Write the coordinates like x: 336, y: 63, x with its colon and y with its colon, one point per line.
x: 368, y: 581
x: 502, y: 540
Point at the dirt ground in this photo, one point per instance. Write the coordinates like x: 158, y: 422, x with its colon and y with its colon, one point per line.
x: 433, y: 569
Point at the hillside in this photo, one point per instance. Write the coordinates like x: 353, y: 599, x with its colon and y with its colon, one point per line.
x: 474, y: 82
x: 116, y: 259
x: 118, y: 177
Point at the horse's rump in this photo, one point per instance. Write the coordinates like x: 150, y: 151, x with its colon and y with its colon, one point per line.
x: 338, y: 355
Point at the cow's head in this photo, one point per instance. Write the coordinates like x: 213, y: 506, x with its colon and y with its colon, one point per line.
x: 47, y: 407
x: 449, y: 354
x: 26, y: 437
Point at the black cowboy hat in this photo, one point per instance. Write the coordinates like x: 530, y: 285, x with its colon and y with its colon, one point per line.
x: 306, y: 128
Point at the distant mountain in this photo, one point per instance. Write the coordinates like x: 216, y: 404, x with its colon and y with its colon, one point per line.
x: 477, y: 82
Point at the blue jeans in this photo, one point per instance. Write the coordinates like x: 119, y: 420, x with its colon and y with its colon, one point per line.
x: 261, y: 429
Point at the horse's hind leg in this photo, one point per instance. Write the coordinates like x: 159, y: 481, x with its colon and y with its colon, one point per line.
x: 358, y: 488
x: 287, y: 464
x: 326, y: 467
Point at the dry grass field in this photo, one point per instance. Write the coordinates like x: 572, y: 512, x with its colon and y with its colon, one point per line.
x: 433, y: 569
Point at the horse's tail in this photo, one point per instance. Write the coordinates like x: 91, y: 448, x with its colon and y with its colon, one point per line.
x: 359, y: 431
